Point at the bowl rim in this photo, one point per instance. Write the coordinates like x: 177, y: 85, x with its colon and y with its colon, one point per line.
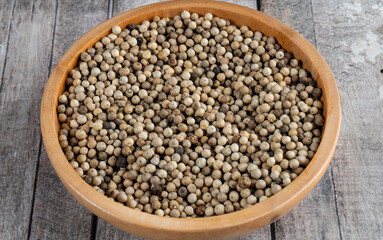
x: 248, y: 219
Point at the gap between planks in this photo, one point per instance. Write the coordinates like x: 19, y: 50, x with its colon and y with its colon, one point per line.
x: 41, y: 137
x: 34, y: 188
x: 93, y: 229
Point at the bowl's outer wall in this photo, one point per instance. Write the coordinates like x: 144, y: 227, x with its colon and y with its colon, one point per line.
x: 217, y: 227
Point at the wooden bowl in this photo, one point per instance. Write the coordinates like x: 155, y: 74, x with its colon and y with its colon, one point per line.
x: 216, y: 227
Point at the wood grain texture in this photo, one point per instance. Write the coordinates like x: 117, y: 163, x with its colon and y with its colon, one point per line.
x: 107, y: 231
x: 350, y: 37
x: 6, y: 11
x: 120, y: 6
x: 54, y: 205
x: 314, y: 218
x: 104, y: 229
x: 295, y: 13
x: 320, y: 222
x: 74, y: 19
x: 27, y: 68
x: 261, y: 234
x: 56, y: 213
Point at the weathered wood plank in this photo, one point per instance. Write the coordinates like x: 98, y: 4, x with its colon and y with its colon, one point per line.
x: 56, y: 213
x: 105, y: 230
x: 261, y: 234
x: 75, y: 18
x: 54, y: 205
x: 247, y: 3
x: 6, y: 11
x: 27, y: 67
x: 315, y: 217
x: 295, y: 13
x: 120, y: 6
x: 349, y: 34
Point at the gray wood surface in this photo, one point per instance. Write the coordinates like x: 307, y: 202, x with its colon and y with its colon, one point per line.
x: 56, y: 212
x: 295, y: 13
x: 315, y: 217
x: 346, y: 204
x: 6, y: 11
x: 57, y: 205
x: 350, y: 37
x: 26, y: 68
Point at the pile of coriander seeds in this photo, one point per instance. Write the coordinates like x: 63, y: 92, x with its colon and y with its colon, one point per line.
x: 189, y: 117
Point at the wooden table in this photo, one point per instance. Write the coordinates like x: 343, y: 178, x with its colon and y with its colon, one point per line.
x: 346, y: 204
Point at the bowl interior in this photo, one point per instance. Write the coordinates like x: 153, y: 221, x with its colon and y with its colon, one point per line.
x: 228, y: 225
